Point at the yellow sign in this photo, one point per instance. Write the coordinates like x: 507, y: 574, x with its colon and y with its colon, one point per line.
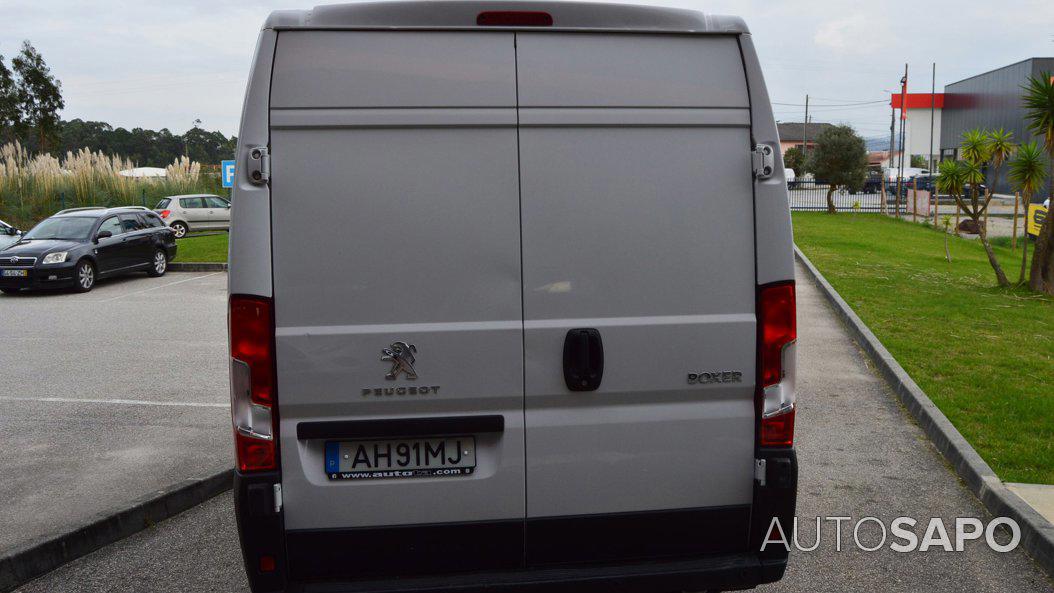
x: 1037, y: 213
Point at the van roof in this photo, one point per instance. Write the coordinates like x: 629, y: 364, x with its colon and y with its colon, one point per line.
x: 461, y: 14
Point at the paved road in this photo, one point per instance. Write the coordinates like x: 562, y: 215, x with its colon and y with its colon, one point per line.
x: 860, y: 455
x: 90, y: 416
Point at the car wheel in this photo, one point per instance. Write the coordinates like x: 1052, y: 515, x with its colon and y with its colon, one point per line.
x: 85, y: 276
x: 158, y: 265
x: 180, y: 229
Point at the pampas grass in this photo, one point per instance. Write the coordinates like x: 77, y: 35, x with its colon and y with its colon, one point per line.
x: 33, y: 187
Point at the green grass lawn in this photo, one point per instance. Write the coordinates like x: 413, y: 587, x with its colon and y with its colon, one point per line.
x: 984, y: 354
x: 202, y: 248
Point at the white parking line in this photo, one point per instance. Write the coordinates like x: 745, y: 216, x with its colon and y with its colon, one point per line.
x: 133, y: 402
x: 121, y: 296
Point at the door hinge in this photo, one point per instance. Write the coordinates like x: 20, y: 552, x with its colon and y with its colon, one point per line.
x: 258, y: 165
x: 277, y: 498
x: 759, y: 471
x: 764, y: 161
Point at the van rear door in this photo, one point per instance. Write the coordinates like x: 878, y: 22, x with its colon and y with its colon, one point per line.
x: 396, y: 262
x: 637, y: 223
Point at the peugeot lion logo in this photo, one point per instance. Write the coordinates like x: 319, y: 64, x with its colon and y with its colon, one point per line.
x: 401, y: 355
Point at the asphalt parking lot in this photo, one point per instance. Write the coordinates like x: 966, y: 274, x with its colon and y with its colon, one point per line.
x: 108, y: 396
x: 860, y: 454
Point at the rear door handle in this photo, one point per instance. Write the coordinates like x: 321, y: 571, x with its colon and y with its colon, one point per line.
x: 583, y: 359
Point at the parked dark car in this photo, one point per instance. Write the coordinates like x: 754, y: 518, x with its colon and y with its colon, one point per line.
x: 77, y: 247
x: 924, y: 183
x: 872, y: 184
x: 929, y: 183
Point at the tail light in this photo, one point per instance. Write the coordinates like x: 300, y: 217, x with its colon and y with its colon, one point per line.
x: 777, y: 333
x: 166, y: 213
x: 514, y: 18
x: 252, y: 382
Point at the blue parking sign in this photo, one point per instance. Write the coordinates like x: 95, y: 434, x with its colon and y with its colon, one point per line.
x: 227, y: 173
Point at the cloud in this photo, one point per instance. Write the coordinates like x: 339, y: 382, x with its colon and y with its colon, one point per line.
x: 159, y: 63
x: 859, y: 34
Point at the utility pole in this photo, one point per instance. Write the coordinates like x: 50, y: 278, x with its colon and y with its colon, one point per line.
x: 885, y: 176
x: 805, y: 133
x: 933, y: 161
x: 903, y: 119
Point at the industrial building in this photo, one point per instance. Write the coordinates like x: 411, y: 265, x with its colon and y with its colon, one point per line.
x: 990, y: 101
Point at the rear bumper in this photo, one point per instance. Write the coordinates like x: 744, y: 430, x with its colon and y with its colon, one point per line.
x: 731, y: 571
x: 656, y: 552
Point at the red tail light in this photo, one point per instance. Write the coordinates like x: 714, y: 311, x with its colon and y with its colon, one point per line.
x: 777, y: 320
x: 252, y: 342
x: 252, y: 382
x: 166, y: 213
x: 778, y: 431
x: 514, y: 18
x: 777, y: 333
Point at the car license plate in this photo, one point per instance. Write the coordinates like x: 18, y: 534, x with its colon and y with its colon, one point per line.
x: 16, y: 273
x: 400, y: 458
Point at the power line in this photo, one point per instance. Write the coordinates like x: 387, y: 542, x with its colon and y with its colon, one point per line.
x: 855, y: 104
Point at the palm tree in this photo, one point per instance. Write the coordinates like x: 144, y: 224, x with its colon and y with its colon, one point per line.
x: 1027, y: 172
x: 976, y: 149
x: 1038, y: 101
x: 1000, y: 147
x: 949, y: 181
x: 950, y: 178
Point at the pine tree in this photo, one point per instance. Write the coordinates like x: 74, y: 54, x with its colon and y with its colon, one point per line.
x: 39, y: 93
x: 10, y: 115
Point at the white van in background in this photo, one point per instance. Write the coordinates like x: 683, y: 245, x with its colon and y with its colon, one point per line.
x: 908, y: 173
x: 511, y: 302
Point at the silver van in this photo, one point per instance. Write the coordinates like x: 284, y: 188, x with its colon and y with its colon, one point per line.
x: 511, y: 302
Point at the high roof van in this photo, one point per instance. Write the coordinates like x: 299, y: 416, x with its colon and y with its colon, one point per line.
x: 511, y: 302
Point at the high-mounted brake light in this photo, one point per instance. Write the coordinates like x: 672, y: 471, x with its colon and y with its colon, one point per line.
x: 777, y: 333
x: 514, y: 18
x: 252, y: 382
x: 166, y: 213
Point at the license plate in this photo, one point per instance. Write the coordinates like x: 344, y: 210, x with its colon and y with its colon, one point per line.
x: 16, y: 273
x: 400, y: 458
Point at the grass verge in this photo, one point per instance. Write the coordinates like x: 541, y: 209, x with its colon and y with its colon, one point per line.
x: 984, y: 354
x: 202, y: 248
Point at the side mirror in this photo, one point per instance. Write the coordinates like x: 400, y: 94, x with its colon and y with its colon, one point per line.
x: 103, y: 235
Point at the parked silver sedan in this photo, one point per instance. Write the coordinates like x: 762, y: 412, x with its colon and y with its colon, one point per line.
x: 194, y: 212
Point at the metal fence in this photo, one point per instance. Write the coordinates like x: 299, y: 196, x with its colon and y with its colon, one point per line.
x: 812, y: 195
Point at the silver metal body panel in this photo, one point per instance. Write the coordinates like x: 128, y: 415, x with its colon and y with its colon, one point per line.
x: 384, y: 69
x: 772, y: 220
x: 559, y: 70
x: 249, y: 253
x: 404, y: 167
x: 460, y: 14
x: 642, y: 232
x: 414, y: 236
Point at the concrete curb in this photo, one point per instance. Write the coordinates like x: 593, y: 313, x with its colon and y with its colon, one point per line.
x: 1037, y: 534
x: 50, y: 552
x: 197, y: 267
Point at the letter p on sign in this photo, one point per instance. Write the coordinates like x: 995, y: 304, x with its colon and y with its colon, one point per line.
x: 227, y: 173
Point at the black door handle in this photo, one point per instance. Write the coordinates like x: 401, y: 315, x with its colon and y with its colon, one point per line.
x: 583, y: 359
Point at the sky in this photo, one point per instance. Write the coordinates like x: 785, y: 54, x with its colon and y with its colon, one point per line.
x: 166, y: 63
